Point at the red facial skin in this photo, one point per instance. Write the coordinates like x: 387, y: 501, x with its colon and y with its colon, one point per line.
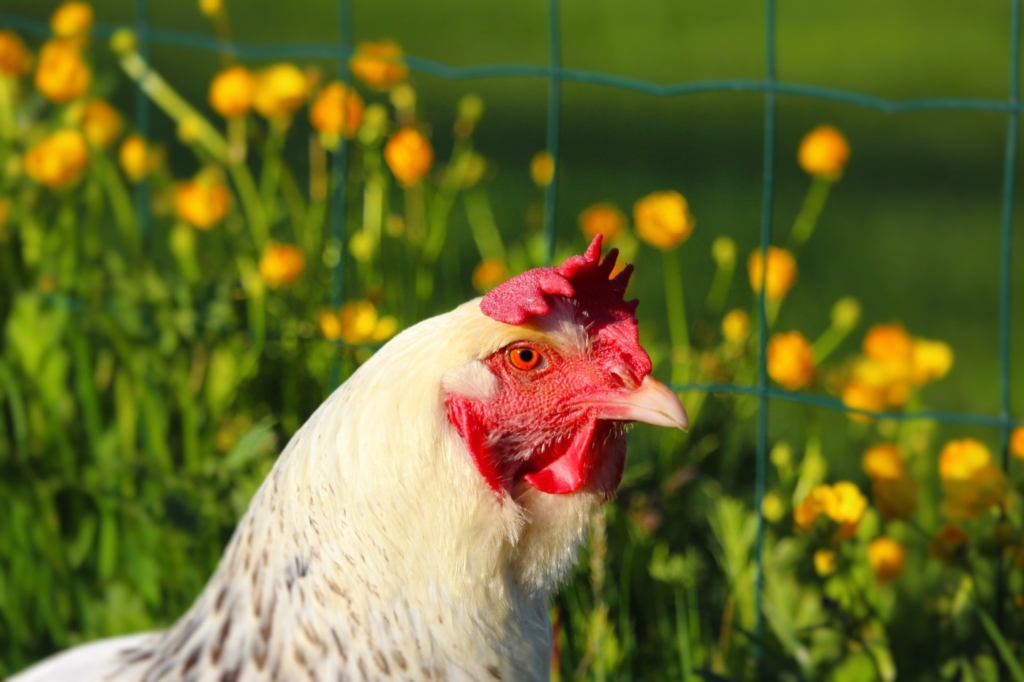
x: 541, y: 425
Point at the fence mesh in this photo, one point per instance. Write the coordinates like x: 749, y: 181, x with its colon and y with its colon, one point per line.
x: 555, y: 74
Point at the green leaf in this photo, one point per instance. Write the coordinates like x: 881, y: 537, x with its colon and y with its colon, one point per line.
x: 258, y: 440
x: 1002, y: 646
x: 108, y: 545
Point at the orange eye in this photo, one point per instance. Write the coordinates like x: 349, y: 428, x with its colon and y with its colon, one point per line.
x: 524, y: 358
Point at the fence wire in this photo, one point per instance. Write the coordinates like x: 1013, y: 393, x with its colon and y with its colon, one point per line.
x: 555, y: 74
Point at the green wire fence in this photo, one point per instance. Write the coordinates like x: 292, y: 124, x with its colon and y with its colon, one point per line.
x: 555, y: 74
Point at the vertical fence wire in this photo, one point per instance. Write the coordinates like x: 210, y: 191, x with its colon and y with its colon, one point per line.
x: 767, y: 206
x: 141, y: 193
x: 339, y: 179
x: 554, y: 115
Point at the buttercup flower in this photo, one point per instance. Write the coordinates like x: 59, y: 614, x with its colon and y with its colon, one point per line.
x: 379, y: 65
x: 817, y: 500
x: 929, y: 360
x: 781, y: 272
x: 790, y: 360
x: 14, y: 57
x: 281, y: 264
x: 337, y: 110
x: 1017, y: 442
x: 280, y: 90
x: 72, y: 20
x: 211, y: 8
x: 201, y: 202
x: 101, y: 123
x: 824, y: 152
x: 604, y: 219
x: 489, y: 274
x: 542, y: 168
x: 361, y: 324
x: 736, y: 326
x: 888, y: 343
x: 886, y: 557
x: 409, y: 156
x: 663, y: 219
x: 61, y: 73
x: 58, y: 160
x: 134, y: 157
x: 772, y: 506
x: 824, y: 562
x: 861, y: 396
x: 843, y: 503
x: 948, y: 542
x: 330, y: 325
x: 232, y: 92
x: 972, y: 482
x: 883, y: 461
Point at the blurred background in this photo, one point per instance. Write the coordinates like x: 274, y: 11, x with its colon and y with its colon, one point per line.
x: 911, y: 231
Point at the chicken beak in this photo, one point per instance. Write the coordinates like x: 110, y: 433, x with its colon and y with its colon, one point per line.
x: 652, y: 403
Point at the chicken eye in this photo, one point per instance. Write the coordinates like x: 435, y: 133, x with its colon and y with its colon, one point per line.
x: 524, y: 358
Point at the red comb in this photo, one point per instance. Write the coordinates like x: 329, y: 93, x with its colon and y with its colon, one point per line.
x: 586, y: 280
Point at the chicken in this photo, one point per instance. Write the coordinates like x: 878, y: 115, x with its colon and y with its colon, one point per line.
x: 417, y: 523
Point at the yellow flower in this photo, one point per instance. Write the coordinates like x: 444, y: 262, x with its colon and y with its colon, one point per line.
x: 888, y: 343
x: 61, y: 73
x: 948, y: 542
x: 134, y: 157
x: 379, y: 65
x: 790, y: 360
x: 101, y: 123
x: 14, y: 57
x: 972, y: 482
x: 861, y: 396
x: 1017, y: 442
x: 232, y: 92
x: 772, y: 506
x: 71, y: 20
x: 663, y: 219
x: 409, y: 156
x: 886, y: 557
x: 280, y: 90
x: 818, y: 499
x: 929, y: 360
x: 781, y: 272
x: 542, y: 168
x: 736, y: 326
x: 330, y: 325
x: 360, y: 323
x: 824, y: 152
x: 211, y: 8
x: 58, y: 159
x: 488, y: 274
x: 281, y: 264
x: 846, y: 507
x: 824, y: 562
x: 201, y: 202
x: 883, y: 461
x: 604, y: 219
x: 896, y: 498
x: 337, y: 109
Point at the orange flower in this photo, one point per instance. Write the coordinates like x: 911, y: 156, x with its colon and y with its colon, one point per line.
x: 101, y: 123
x: 972, y: 482
x: 281, y: 264
x: 790, y: 360
x: 379, y: 65
x: 337, y: 109
x: 134, y: 157
x: 929, y: 360
x: 542, y: 168
x: 883, y: 461
x: 861, y: 396
x: 202, y: 202
x: 736, y: 326
x: 1017, y: 442
x: 58, y: 160
x: 232, y: 92
x: 824, y: 152
x: 781, y: 272
x: 14, y: 57
x: 663, y: 219
x: 814, y: 504
x: 409, y: 156
x: 280, y: 90
x: 62, y: 74
x: 886, y: 557
x: 360, y: 323
x: 604, y: 219
x: 843, y: 503
x: 71, y: 20
x: 489, y: 274
x: 888, y: 343
x: 330, y: 325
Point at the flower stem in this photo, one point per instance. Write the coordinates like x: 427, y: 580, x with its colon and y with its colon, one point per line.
x: 829, y: 340
x: 720, y: 287
x: 675, y: 301
x: 257, y: 219
x: 810, y: 211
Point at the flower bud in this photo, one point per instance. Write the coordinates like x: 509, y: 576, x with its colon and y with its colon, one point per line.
x: 846, y: 313
x: 723, y: 250
x: 409, y: 156
x: 824, y: 152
